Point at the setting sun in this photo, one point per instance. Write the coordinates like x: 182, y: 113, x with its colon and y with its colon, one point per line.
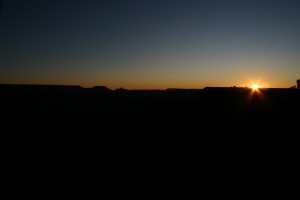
x: 255, y: 87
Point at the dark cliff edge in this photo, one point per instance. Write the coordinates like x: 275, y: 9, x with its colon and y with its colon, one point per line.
x: 225, y: 137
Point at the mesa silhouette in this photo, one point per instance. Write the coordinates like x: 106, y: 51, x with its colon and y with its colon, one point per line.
x: 51, y: 130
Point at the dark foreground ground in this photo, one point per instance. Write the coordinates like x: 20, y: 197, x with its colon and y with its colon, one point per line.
x: 221, y: 142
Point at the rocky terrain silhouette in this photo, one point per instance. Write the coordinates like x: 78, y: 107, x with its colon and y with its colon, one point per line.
x: 222, y: 137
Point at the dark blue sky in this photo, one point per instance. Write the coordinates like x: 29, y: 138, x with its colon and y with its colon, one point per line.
x: 150, y: 43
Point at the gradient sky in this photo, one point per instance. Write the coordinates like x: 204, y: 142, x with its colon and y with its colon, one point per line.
x: 150, y: 44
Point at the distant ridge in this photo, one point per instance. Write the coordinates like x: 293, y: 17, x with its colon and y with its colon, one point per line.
x: 94, y: 88
x: 100, y: 89
x: 244, y: 88
x: 37, y: 85
x: 106, y: 89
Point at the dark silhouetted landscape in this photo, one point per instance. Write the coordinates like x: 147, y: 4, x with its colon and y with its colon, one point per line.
x: 223, y: 140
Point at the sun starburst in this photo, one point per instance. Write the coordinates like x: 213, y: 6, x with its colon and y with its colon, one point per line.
x: 255, y: 87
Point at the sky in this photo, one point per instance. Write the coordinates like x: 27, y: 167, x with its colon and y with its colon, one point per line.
x: 150, y: 44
